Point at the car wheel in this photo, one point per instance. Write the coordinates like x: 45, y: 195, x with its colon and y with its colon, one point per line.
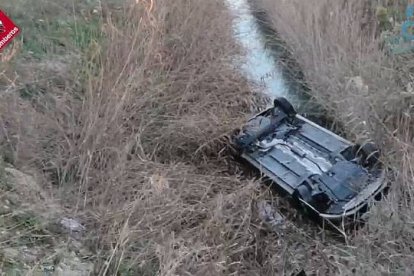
x: 231, y: 138
x: 370, y: 154
x: 285, y: 106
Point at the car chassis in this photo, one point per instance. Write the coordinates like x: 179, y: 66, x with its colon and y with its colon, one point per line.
x: 321, y: 170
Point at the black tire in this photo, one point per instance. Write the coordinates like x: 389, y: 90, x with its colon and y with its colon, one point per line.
x: 285, y: 106
x: 233, y: 148
x: 370, y: 154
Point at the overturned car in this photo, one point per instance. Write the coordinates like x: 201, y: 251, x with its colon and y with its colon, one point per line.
x: 322, y: 171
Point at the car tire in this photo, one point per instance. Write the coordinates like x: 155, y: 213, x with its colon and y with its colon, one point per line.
x: 285, y: 106
x: 370, y: 153
x: 233, y: 147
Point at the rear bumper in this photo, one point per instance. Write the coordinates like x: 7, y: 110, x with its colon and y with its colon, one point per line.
x: 361, y: 200
x: 350, y: 209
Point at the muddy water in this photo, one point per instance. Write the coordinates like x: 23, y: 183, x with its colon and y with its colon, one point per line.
x: 259, y: 63
x: 269, y: 66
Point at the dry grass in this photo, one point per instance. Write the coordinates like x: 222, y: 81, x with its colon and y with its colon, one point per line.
x: 335, y: 41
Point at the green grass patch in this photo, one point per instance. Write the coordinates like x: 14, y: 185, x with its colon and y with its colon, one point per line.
x: 52, y: 28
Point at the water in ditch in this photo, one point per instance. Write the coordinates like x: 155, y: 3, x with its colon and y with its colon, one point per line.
x: 259, y: 62
x: 269, y: 66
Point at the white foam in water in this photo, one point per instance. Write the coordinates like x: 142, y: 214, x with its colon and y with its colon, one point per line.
x: 258, y: 62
